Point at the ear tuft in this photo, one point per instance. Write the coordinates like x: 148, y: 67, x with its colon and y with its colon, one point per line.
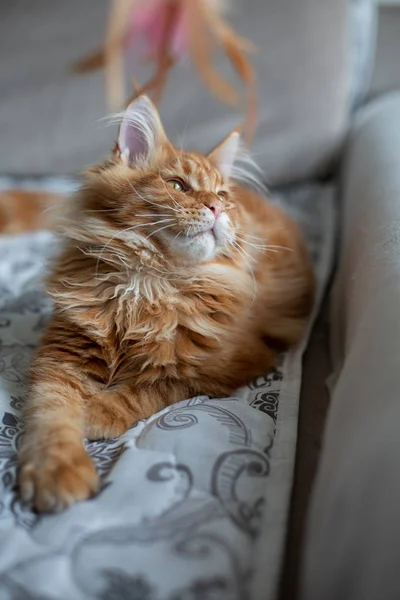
x: 141, y: 132
x: 225, y: 154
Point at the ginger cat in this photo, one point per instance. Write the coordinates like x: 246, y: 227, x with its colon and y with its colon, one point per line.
x: 173, y: 281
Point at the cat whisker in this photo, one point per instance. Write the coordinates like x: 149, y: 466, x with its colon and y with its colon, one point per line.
x: 266, y: 250
x: 157, y: 230
x: 176, y: 155
x: 253, y: 237
x: 168, y: 220
x: 149, y: 201
x: 137, y: 193
x: 183, y: 135
x: 178, y: 234
x: 107, y: 244
x: 159, y: 205
x: 266, y: 247
x: 244, y: 251
x: 255, y: 246
x: 280, y: 247
x: 153, y: 215
x: 251, y: 270
x: 188, y: 231
x: 118, y: 233
x: 245, y: 177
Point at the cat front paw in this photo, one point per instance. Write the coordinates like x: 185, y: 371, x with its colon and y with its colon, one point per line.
x: 54, y: 479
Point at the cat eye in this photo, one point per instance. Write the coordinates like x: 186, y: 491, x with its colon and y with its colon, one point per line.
x: 176, y: 184
x: 223, y: 196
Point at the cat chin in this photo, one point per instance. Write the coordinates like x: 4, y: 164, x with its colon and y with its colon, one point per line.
x: 195, y: 249
x: 203, y: 246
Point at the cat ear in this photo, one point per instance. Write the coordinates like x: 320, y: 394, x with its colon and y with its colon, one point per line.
x: 141, y: 132
x: 225, y: 154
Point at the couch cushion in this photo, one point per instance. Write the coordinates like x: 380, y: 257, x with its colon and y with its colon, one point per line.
x: 353, y: 539
x: 48, y: 116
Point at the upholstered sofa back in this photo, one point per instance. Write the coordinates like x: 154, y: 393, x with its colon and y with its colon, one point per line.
x: 49, y: 117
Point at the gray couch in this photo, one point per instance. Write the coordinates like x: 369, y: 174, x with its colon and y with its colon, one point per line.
x: 353, y: 536
x: 316, y: 81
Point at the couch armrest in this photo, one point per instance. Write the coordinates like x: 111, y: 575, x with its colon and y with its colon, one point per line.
x: 386, y: 72
x: 353, y: 535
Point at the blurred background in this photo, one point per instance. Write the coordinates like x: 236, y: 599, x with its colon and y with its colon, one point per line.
x: 308, y: 55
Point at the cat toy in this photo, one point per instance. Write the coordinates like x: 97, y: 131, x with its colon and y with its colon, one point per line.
x: 164, y: 32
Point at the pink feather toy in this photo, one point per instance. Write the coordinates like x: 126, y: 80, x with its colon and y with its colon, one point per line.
x: 164, y: 32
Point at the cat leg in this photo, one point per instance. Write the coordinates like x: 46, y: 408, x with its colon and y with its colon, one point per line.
x: 54, y: 468
x: 253, y: 358
x: 110, y: 413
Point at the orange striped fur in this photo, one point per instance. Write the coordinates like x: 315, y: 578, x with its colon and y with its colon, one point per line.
x: 149, y: 311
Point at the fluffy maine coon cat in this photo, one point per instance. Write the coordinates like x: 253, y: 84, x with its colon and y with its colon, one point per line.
x: 173, y: 281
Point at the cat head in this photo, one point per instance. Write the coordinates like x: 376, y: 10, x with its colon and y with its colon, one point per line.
x: 179, y: 202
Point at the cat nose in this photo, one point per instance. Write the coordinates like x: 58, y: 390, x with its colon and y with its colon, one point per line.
x: 215, y: 207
